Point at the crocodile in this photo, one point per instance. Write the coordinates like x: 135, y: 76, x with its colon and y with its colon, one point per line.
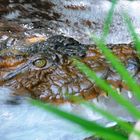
x: 44, y: 70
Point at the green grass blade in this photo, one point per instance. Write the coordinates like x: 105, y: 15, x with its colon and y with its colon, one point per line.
x: 115, y: 62
x: 108, y: 19
x: 124, y: 125
x: 109, y: 116
x: 131, y: 29
x: 103, y: 132
x: 119, y: 67
x: 103, y: 85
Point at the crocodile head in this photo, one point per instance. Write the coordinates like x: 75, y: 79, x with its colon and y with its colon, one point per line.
x: 45, y: 70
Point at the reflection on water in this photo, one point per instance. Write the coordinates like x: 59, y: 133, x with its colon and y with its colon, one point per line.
x: 77, y: 18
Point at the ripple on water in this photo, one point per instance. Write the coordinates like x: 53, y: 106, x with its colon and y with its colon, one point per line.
x: 22, y: 121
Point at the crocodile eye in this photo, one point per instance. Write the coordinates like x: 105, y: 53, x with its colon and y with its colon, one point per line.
x: 40, y: 63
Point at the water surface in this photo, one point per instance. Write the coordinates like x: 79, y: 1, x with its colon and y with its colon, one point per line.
x: 21, y: 19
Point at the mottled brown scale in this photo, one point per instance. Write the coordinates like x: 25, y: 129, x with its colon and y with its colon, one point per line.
x: 10, y: 62
x: 75, y: 7
x: 9, y: 26
x: 88, y: 23
x: 60, y: 77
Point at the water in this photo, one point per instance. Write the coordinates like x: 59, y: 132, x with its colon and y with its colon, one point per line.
x: 23, y: 121
x: 77, y: 18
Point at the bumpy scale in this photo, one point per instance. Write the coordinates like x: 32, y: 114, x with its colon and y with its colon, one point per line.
x: 45, y: 71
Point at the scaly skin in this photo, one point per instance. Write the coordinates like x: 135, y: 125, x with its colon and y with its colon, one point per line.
x: 59, y: 76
